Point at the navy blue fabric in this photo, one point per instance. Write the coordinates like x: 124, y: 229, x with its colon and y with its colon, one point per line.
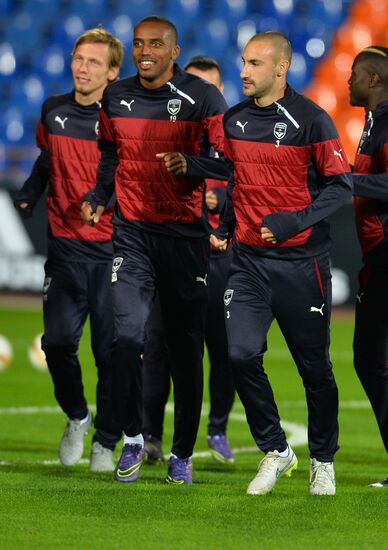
x: 72, y: 291
x: 260, y: 290
x: 176, y: 268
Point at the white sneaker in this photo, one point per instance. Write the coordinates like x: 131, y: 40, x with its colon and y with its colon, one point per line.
x: 71, y: 447
x: 322, y: 478
x: 382, y: 483
x: 101, y: 458
x: 270, y: 469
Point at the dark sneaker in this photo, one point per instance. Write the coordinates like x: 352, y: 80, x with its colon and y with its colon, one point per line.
x: 382, y: 483
x: 220, y: 448
x: 128, y: 467
x: 180, y: 471
x: 153, y: 450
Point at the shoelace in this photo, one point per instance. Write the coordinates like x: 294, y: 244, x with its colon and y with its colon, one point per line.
x: 130, y: 455
x: 73, y: 426
x: 179, y: 467
x: 321, y: 473
x: 221, y: 441
x: 268, y: 462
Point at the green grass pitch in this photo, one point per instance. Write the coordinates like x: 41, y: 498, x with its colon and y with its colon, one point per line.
x: 45, y: 505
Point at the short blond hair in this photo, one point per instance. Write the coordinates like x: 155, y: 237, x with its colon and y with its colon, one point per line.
x: 99, y: 35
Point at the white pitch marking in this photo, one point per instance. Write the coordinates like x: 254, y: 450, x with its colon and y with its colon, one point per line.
x: 297, y: 433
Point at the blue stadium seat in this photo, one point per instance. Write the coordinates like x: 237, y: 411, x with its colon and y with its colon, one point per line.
x: 43, y: 10
x: 12, y: 126
x: 67, y: 31
x: 185, y: 15
x: 213, y: 36
x: 28, y: 93
x: 122, y: 27
x: 233, y: 11
x: 5, y: 6
x: 91, y: 11
x: 51, y: 63
x: 23, y: 32
x: 136, y: 9
x: 8, y: 62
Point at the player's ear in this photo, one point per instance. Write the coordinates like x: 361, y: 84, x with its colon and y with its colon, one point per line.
x: 175, y: 52
x: 374, y: 80
x: 113, y: 73
x: 282, y: 67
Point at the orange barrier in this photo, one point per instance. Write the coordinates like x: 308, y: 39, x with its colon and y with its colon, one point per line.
x: 367, y: 24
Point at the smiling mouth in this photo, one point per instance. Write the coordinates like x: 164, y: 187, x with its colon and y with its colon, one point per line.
x: 146, y: 62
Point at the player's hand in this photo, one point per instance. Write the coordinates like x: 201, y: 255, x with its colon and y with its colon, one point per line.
x: 23, y: 205
x: 268, y: 236
x: 211, y: 200
x: 87, y: 214
x: 175, y: 163
x: 218, y: 244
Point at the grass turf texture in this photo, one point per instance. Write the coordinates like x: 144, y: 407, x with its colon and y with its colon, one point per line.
x: 48, y: 505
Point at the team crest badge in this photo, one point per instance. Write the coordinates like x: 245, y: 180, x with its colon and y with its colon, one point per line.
x: 228, y: 296
x: 117, y: 263
x: 174, y: 106
x: 280, y: 130
x: 115, y: 267
x: 46, y: 284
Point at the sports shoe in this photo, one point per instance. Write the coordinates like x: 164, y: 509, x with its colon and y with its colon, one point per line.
x: 71, y: 447
x: 270, y: 469
x: 101, y: 458
x: 128, y: 467
x: 180, y: 471
x: 220, y: 448
x: 153, y: 450
x: 382, y: 483
x: 322, y: 478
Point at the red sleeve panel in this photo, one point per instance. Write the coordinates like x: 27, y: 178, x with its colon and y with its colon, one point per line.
x: 330, y: 157
x: 40, y: 136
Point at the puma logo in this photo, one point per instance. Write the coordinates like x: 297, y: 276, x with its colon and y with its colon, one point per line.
x: 123, y: 102
x: 318, y: 309
x: 201, y: 280
x: 60, y: 121
x: 338, y: 154
x: 241, y: 125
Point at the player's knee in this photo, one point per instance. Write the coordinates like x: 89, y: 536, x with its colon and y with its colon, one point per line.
x: 240, y: 357
x: 131, y: 342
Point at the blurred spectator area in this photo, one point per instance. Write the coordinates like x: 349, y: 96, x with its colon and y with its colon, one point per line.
x: 36, y: 39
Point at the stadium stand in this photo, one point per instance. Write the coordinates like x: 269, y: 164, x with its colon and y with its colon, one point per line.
x: 36, y: 37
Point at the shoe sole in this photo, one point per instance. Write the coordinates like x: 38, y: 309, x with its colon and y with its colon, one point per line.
x: 133, y: 474
x: 172, y: 481
x: 219, y: 458
x: 287, y: 473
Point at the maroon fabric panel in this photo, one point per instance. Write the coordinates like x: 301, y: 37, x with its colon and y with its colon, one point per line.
x: 70, y: 180
x: 267, y: 179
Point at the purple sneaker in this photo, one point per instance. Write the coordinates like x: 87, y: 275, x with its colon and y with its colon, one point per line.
x: 128, y: 467
x: 180, y: 471
x: 220, y: 448
x: 153, y: 450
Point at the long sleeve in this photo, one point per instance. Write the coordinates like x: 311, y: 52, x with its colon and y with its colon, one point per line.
x: 206, y: 167
x: 105, y: 181
x: 372, y: 186
x: 287, y: 224
x: 35, y: 184
x: 227, y: 224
